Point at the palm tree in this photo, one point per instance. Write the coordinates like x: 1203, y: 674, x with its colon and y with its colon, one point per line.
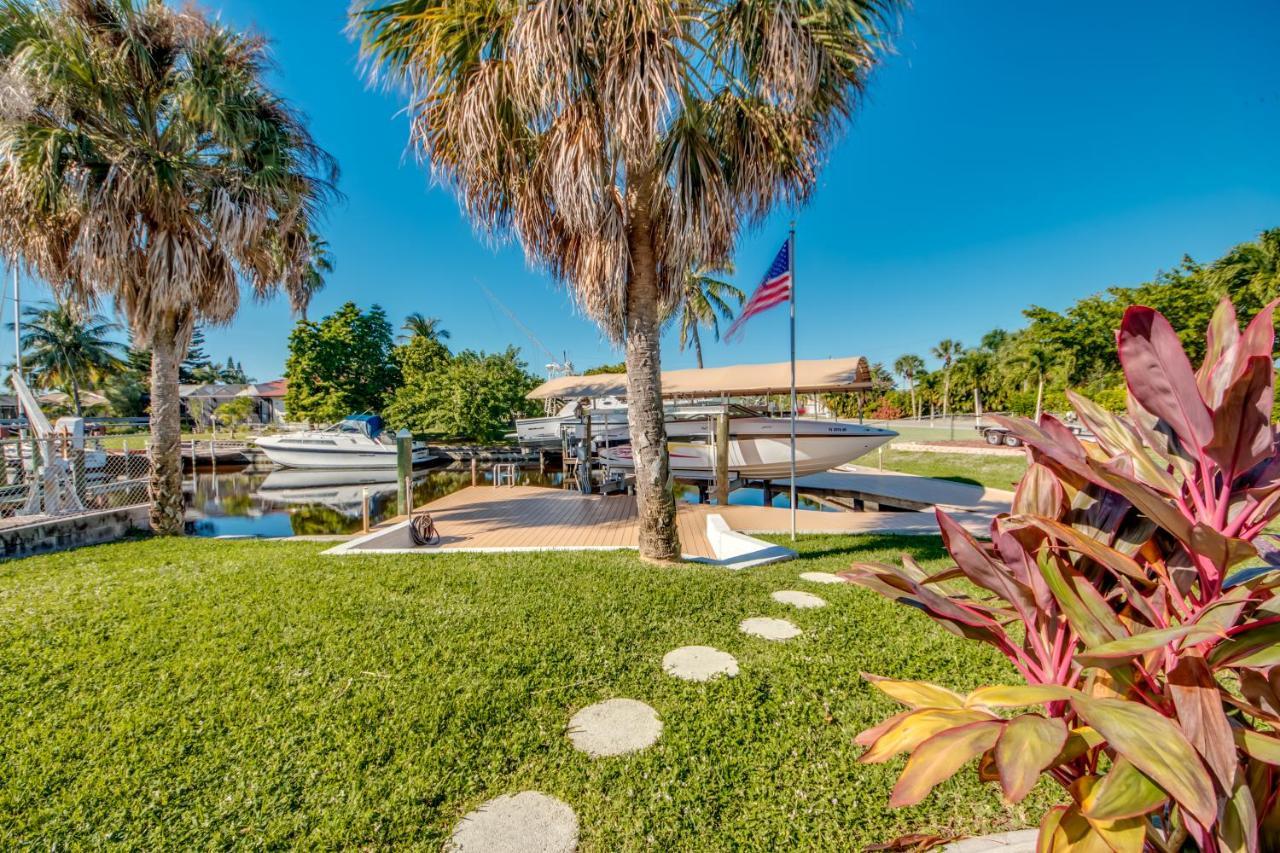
x: 417, y: 325
x: 1250, y: 272
x: 909, y: 366
x: 705, y: 301
x: 147, y: 163
x: 1037, y: 361
x: 66, y: 347
x: 625, y: 142
x: 976, y: 365
x: 313, y: 277
x: 946, y: 352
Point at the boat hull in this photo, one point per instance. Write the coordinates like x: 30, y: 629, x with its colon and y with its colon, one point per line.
x: 295, y: 456
x: 762, y: 451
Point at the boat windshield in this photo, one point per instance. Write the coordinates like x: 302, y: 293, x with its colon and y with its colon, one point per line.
x: 366, y: 425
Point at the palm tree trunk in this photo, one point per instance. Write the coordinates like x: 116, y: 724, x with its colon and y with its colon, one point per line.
x: 915, y: 410
x: 1039, y: 397
x: 697, y: 346
x: 654, y: 502
x: 946, y: 392
x: 75, y: 396
x: 166, y: 434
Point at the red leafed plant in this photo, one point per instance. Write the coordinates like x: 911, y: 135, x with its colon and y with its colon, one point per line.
x: 1117, y: 588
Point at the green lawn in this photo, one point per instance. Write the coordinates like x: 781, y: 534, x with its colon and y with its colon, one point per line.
x: 181, y: 694
x: 997, y: 472
x: 137, y: 441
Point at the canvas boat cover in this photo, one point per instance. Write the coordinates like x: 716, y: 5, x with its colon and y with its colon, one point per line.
x: 813, y: 376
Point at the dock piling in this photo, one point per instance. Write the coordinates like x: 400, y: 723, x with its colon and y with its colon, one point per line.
x: 404, y: 472
x: 722, y: 459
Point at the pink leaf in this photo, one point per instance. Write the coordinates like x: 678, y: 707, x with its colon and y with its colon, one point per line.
x: 1160, y: 376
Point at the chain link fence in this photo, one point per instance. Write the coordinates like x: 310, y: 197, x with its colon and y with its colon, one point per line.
x: 65, y: 475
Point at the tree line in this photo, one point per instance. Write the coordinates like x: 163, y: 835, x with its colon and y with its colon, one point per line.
x: 1029, y: 370
x: 350, y: 362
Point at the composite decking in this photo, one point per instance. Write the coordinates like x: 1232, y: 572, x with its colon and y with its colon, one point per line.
x: 532, y: 518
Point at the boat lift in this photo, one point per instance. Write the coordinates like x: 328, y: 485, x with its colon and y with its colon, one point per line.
x: 53, y: 485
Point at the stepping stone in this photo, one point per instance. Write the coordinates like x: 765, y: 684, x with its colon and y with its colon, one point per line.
x: 820, y: 577
x: 614, y: 727
x: 1021, y: 841
x: 516, y: 823
x: 803, y: 600
x: 769, y: 629
x: 699, y: 663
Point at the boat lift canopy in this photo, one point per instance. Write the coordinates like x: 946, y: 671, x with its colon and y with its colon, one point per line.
x: 813, y: 376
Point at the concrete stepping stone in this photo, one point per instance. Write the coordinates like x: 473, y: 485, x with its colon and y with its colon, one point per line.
x: 767, y: 628
x: 802, y: 600
x: 1020, y: 841
x: 820, y: 577
x: 517, y: 823
x: 699, y: 663
x: 614, y: 727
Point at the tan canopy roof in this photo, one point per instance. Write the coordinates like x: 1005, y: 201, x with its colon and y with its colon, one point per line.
x: 740, y: 380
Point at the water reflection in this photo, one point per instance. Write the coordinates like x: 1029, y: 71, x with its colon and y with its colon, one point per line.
x: 297, y: 502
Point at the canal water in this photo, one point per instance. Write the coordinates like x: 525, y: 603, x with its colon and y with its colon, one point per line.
x: 298, y: 502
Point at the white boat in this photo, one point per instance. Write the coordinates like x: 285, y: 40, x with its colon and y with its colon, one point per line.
x: 608, y: 415
x: 341, y: 490
x: 759, y: 448
x: 357, y: 442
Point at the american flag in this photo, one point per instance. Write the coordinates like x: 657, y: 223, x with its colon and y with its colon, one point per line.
x: 774, y: 290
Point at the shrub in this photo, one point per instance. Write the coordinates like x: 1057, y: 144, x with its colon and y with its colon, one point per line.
x: 887, y: 410
x: 1115, y: 587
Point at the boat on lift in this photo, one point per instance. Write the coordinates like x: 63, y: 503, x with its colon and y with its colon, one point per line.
x: 608, y: 416
x: 359, y: 441
x: 759, y: 447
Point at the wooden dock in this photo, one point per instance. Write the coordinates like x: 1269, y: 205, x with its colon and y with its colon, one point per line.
x: 534, y: 518
x: 486, y: 519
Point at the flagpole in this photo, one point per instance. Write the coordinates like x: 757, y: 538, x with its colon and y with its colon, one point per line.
x: 791, y: 264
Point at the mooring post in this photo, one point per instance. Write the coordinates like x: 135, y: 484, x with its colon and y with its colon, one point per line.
x: 584, y: 467
x: 404, y: 471
x: 722, y: 459
x: 364, y: 507
x: 475, y: 470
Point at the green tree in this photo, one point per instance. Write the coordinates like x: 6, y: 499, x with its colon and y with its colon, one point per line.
x: 620, y: 367
x: 625, y: 142
x: 417, y: 325
x: 1249, y: 274
x: 147, y: 162
x: 910, y: 366
x: 974, y: 369
x: 196, y: 363
x: 313, y: 277
x: 234, y: 413
x: 946, y: 352
x: 1036, y: 362
x: 704, y: 301
x: 341, y: 365
x: 472, y: 395
x: 68, y: 348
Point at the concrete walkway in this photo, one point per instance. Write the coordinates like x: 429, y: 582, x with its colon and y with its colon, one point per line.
x: 891, y: 488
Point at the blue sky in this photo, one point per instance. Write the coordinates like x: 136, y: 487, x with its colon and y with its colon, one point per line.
x: 1011, y: 153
